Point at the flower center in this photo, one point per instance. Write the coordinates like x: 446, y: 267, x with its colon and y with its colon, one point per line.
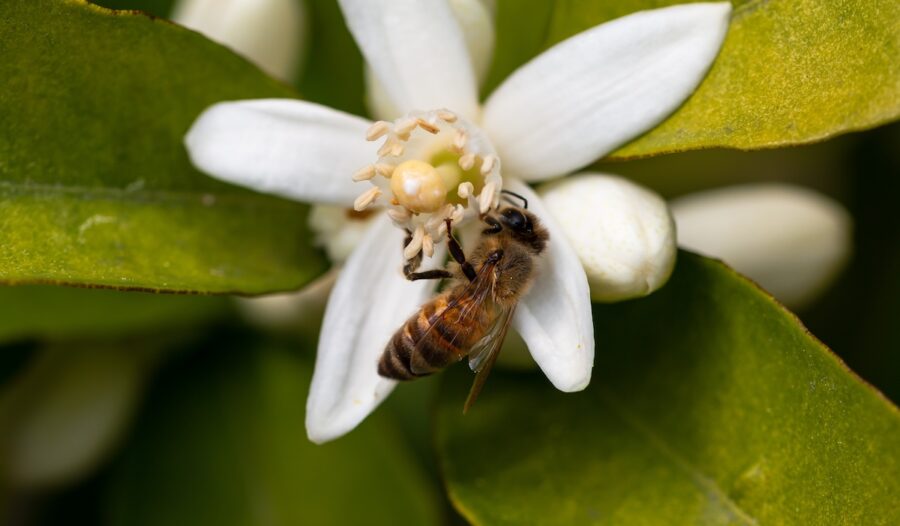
x: 432, y: 166
x: 418, y: 187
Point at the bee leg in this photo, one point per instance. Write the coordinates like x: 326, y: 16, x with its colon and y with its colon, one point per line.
x: 458, y: 255
x: 409, y: 269
x: 429, y: 274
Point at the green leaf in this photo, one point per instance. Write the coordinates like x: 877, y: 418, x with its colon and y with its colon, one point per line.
x: 95, y: 185
x: 788, y: 73
x: 47, y: 312
x: 710, y: 404
x: 223, y: 442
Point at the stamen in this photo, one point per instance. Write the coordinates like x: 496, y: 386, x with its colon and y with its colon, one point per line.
x: 364, y: 174
x: 404, y: 126
x: 459, y: 142
x: 377, y: 130
x: 415, y: 244
x: 363, y: 201
x: 486, y: 199
x: 384, y: 169
x: 447, y: 116
x: 467, y: 161
x: 427, y: 126
x: 436, y: 219
x: 428, y: 245
x: 458, y: 213
x: 464, y: 190
x: 487, y: 164
x: 399, y: 215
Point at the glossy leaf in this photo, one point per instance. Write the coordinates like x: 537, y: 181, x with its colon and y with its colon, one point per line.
x: 95, y: 185
x: 223, y: 442
x: 710, y: 404
x: 788, y: 73
x: 46, y: 312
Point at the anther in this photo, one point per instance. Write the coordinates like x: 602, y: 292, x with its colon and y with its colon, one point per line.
x: 467, y: 161
x: 415, y: 244
x: 427, y: 126
x: 364, y: 174
x: 399, y: 215
x: 428, y: 245
x: 363, y: 201
x: 465, y: 189
x: 377, y: 129
x: 447, y: 116
x: 458, y: 213
x: 404, y: 126
x: 384, y: 169
x: 487, y: 164
x: 459, y: 142
x: 486, y: 199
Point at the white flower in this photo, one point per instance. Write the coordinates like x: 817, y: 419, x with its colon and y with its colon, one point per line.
x: 268, y: 32
x: 567, y: 107
x: 791, y: 240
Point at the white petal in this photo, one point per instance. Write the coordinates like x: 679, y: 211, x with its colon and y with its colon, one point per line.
x: 623, y: 233
x: 792, y: 241
x: 370, y: 301
x: 554, y: 318
x: 477, y: 23
x: 286, y: 147
x: 268, y: 32
x: 476, y: 19
x: 595, y: 91
x: 417, y: 51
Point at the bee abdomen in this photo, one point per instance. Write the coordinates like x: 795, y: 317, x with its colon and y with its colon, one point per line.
x: 395, y: 360
x: 416, y: 351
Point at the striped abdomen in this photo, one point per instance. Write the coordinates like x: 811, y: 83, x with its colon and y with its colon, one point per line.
x: 416, y: 351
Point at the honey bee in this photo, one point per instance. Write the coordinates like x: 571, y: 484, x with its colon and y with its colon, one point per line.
x: 471, y: 317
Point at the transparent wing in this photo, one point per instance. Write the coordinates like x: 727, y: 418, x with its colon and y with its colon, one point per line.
x: 485, y: 352
x: 453, y: 320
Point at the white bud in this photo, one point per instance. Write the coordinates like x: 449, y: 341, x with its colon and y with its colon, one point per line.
x: 268, y: 32
x: 299, y: 311
x: 622, y: 232
x: 476, y: 19
x: 790, y: 240
x: 63, y: 414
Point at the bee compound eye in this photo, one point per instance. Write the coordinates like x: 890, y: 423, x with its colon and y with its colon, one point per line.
x: 516, y: 220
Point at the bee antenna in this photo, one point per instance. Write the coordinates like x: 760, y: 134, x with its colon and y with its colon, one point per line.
x: 524, y: 201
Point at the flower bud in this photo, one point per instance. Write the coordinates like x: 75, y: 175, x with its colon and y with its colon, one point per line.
x: 622, y: 232
x: 62, y: 415
x: 790, y: 240
x: 267, y: 32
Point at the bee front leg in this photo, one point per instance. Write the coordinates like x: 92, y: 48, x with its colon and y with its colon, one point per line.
x: 458, y: 255
x: 409, y: 269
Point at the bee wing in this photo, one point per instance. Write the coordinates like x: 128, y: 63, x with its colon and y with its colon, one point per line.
x: 485, y: 352
x: 473, y: 297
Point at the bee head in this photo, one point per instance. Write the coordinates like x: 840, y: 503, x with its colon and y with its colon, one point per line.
x: 517, y: 220
x: 524, y: 227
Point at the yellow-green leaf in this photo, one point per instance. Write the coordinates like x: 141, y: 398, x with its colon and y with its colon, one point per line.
x: 95, y: 185
x: 789, y: 72
x: 710, y: 404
